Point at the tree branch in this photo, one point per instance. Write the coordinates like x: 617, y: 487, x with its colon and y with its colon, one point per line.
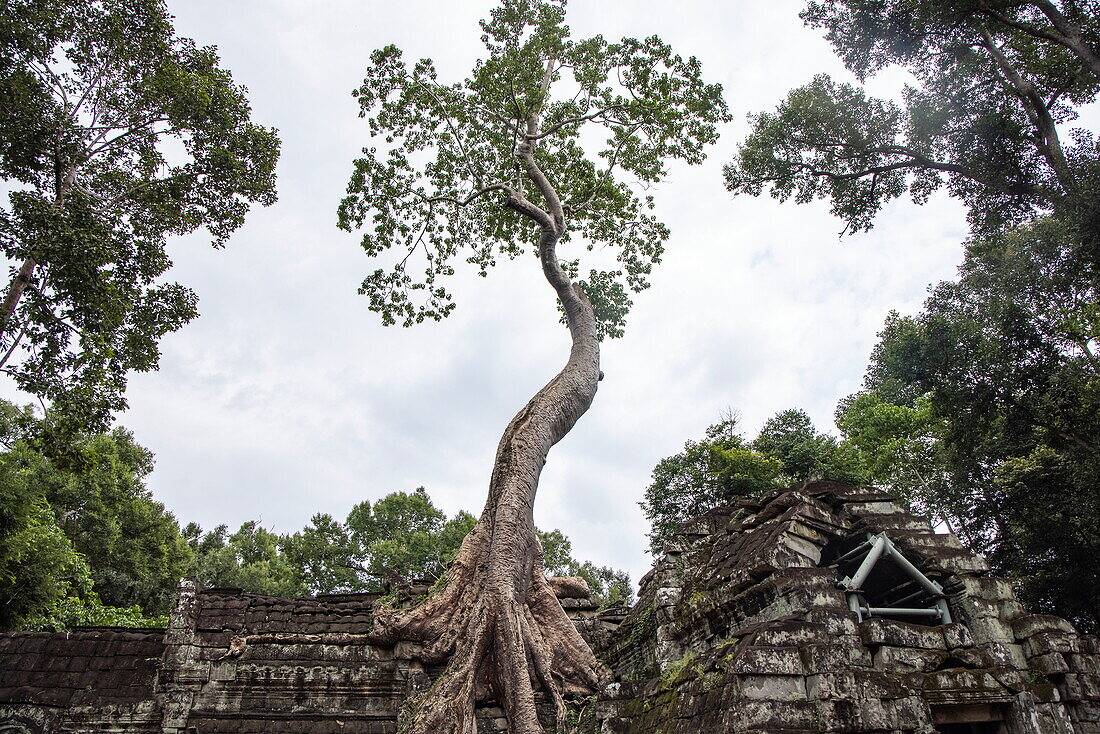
x: 14, y: 344
x: 526, y: 155
x: 92, y: 152
x: 461, y: 202
x: 572, y: 121
x: 454, y: 132
x: 1070, y: 36
x: 1050, y: 145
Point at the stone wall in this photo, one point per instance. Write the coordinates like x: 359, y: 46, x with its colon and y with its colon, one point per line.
x: 740, y: 627
x: 230, y: 662
x: 84, y: 681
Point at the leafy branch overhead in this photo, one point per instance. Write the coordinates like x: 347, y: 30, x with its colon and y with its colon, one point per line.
x: 444, y: 182
x: 116, y: 134
x: 995, y: 87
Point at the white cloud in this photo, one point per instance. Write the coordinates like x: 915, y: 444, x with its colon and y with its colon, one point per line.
x: 286, y: 397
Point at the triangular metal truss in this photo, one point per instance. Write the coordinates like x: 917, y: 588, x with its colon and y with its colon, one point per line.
x: 874, y: 549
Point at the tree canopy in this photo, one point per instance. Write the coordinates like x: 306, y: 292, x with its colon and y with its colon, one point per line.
x: 404, y: 537
x: 983, y: 410
x: 401, y: 536
x: 116, y: 134
x: 444, y: 182
x: 88, y: 544
x: 92, y: 532
x: 251, y: 559
x: 723, y: 467
x: 995, y: 88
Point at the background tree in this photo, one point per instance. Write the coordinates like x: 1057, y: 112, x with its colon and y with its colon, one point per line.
x: 88, y: 545
x: 38, y: 564
x: 900, y: 446
x: 718, y: 470
x: 93, y: 533
x: 995, y: 86
x: 250, y: 559
x: 495, y: 166
x: 131, y: 542
x: 115, y: 135
x: 401, y: 535
x: 723, y: 467
x: 609, y: 586
x: 88, y: 610
x: 994, y: 386
x: 805, y: 453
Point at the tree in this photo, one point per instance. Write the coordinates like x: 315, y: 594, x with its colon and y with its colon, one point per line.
x: 38, y: 564
x: 131, y: 546
x: 400, y: 538
x: 994, y: 385
x: 402, y: 535
x: 89, y: 611
x: 715, y: 471
x: 81, y: 543
x: 249, y: 559
x: 805, y: 453
x: 900, y: 446
x: 493, y: 166
x: 996, y: 83
x: 723, y: 467
x: 609, y: 586
x: 116, y: 134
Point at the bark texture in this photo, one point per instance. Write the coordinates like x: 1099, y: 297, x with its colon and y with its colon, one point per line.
x: 15, y: 292
x: 497, y: 619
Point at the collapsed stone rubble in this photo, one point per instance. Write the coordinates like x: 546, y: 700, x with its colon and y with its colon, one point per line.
x: 742, y: 626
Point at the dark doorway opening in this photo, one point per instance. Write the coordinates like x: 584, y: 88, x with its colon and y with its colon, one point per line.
x: 981, y: 718
x: 982, y: 727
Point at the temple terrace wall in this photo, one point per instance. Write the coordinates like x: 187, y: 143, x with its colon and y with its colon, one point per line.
x: 820, y: 608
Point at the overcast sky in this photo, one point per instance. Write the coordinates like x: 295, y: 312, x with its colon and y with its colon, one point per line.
x: 287, y: 397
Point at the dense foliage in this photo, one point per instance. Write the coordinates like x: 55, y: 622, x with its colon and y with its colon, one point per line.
x: 92, y: 532
x: 444, y: 184
x: 251, y: 559
x: 403, y: 535
x: 723, y: 467
x: 609, y: 586
x: 88, y: 544
x: 995, y: 88
x: 983, y: 410
x: 115, y: 134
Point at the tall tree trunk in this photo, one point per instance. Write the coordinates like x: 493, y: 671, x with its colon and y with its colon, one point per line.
x: 23, y: 278
x: 497, y: 618
x: 15, y: 291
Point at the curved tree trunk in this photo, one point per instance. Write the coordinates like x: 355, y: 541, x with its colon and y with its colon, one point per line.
x: 497, y: 619
x: 15, y: 291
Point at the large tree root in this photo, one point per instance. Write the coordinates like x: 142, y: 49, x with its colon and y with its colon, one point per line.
x: 505, y: 634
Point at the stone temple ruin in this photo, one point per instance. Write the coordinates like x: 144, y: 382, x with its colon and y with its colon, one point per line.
x: 822, y: 608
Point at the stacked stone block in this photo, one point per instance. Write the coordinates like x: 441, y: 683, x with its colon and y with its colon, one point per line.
x: 740, y: 628
x: 97, y: 680
x: 232, y: 662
